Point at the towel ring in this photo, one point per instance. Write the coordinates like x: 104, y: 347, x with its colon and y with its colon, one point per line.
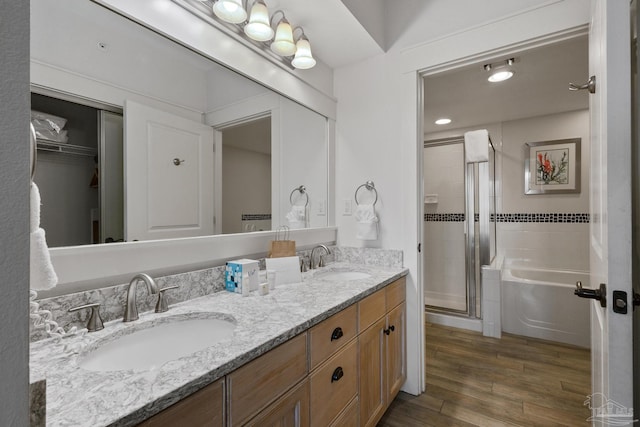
x: 34, y: 152
x: 369, y: 185
x: 303, y: 192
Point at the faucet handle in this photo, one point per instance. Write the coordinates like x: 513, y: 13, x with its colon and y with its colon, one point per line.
x: 95, y: 321
x: 162, y: 305
x: 321, y: 263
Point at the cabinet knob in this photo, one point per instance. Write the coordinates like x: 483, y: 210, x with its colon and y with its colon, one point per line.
x: 337, y: 334
x: 390, y: 329
x: 337, y: 374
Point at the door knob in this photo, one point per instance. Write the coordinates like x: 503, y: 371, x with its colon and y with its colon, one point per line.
x: 590, y: 85
x: 599, y: 294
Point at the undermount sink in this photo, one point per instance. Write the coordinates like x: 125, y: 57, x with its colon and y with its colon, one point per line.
x: 341, y: 275
x: 149, y: 346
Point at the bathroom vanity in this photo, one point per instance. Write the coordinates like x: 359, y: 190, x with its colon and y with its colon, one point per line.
x: 327, y: 351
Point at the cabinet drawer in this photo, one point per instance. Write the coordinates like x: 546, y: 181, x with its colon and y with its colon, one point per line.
x: 332, y: 334
x: 258, y: 383
x: 395, y: 293
x: 334, y: 384
x: 371, y: 309
x: 291, y: 410
x: 202, y: 408
x: 349, y: 417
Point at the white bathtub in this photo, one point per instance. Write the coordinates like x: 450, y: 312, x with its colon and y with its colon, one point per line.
x: 541, y: 304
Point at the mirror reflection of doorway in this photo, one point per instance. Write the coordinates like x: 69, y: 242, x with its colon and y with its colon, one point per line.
x: 246, y: 177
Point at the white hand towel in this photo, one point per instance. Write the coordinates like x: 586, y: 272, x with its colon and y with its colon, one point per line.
x: 476, y: 146
x: 42, y: 274
x: 297, y: 217
x: 366, y: 222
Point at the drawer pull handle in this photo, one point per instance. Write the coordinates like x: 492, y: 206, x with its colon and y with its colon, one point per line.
x: 388, y: 331
x: 336, y: 334
x: 337, y: 374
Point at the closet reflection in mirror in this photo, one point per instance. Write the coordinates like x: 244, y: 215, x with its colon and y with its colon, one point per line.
x: 202, y: 150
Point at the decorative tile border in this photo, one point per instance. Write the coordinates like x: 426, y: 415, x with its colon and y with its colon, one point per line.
x: 444, y: 217
x: 556, y: 218
x: 552, y: 218
x: 256, y: 217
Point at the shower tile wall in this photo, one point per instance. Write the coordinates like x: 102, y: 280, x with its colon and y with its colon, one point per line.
x: 444, y: 243
x: 523, y: 234
x: 552, y: 241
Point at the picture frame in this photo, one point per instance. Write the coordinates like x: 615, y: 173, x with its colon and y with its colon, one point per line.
x: 552, y: 167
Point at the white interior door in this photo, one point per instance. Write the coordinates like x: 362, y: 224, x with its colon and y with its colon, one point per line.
x: 611, y: 401
x: 168, y: 174
x: 111, y: 177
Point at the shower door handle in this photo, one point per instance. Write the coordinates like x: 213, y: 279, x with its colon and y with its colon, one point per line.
x: 599, y: 294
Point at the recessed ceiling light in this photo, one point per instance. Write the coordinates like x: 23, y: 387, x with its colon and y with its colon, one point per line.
x: 443, y: 121
x: 500, y: 76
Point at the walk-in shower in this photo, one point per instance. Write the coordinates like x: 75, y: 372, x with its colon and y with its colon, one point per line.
x: 459, y: 226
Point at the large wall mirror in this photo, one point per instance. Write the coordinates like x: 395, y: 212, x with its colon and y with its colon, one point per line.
x: 159, y: 142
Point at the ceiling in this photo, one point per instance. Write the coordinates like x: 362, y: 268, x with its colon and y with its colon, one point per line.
x: 538, y: 87
x: 342, y: 32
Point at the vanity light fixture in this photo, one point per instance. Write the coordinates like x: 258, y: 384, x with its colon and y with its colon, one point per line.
x: 443, y: 121
x: 231, y: 11
x: 260, y: 29
x: 500, y: 70
x: 303, y: 59
x: 283, y: 43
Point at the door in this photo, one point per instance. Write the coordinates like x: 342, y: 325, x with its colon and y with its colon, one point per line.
x: 111, y: 177
x: 396, y: 350
x: 168, y: 174
x: 610, y: 255
x: 372, y: 374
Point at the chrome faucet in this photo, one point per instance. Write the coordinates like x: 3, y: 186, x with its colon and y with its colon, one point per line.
x: 321, y: 261
x: 131, y: 308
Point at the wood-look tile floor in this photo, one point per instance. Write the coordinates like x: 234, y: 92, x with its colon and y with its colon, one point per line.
x: 473, y: 380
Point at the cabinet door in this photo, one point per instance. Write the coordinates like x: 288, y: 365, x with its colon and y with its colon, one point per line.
x: 203, y: 408
x: 396, y: 351
x: 372, y: 374
x: 291, y: 410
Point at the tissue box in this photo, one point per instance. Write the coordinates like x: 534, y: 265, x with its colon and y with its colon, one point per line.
x: 236, y: 270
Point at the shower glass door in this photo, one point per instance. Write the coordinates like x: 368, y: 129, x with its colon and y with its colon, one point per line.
x: 445, y: 246
x: 459, y: 226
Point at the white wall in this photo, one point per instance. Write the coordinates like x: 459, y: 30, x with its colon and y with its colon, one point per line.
x: 14, y: 205
x: 65, y: 55
x: 379, y: 134
x: 304, y: 149
x: 246, y: 186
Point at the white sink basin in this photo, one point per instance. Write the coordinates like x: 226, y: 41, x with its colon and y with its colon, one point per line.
x: 151, y: 346
x: 341, y: 275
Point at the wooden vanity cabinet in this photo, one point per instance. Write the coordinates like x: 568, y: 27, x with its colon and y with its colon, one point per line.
x: 343, y: 372
x: 382, y: 350
x: 203, y: 408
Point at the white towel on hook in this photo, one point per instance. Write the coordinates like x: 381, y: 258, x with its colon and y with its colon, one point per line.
x: 297, y: 217
x: 42, y: 275
x: 476, y: 146
x: 366, y: 222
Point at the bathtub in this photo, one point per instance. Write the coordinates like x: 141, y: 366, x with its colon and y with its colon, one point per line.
x: 540, y: 304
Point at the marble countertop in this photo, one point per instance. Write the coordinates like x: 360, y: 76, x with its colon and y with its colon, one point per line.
x: 78, y: 397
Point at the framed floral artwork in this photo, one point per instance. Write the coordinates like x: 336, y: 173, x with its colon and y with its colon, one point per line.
x: 552, y: 167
